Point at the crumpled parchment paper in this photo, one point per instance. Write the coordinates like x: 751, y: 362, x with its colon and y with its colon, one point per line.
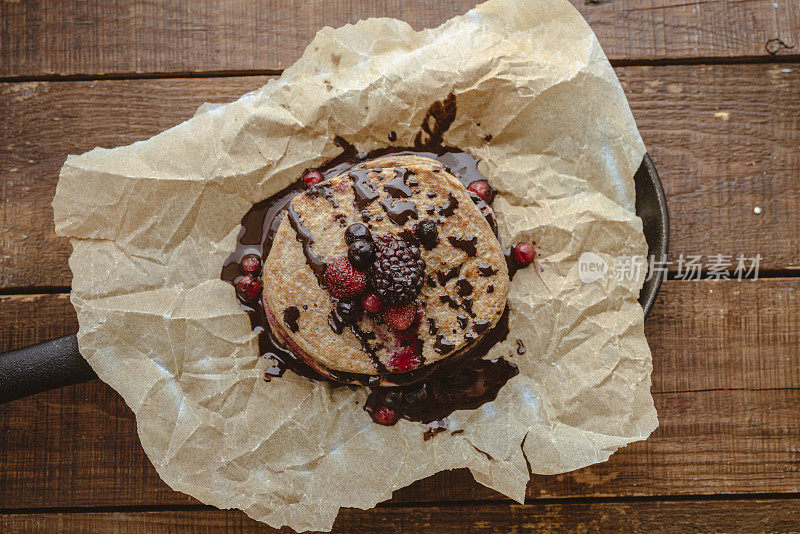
x: 152, y: 223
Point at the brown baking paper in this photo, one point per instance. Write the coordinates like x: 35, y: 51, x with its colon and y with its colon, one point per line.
x: 152, y: 223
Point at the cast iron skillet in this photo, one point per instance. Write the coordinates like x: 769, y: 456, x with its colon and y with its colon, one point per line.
x: 58, y: 363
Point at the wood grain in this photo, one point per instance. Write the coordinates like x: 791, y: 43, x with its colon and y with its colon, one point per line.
x: 723, y: 138
x: 724, y: 384
x: 100, y: 37
x: 682, y: 516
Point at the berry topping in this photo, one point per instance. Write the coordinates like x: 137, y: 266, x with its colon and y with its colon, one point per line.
x: 403, y: 359
x: 385, y: 416
x: 251, y: 264
x: 427, y: 233
x: 312, y: 178
x: 400, y: 317
x: 361, y: 254
x: 482, y: 189
x: 371, y: 303
x: 248, y: 287
x: 343, y: 281
x: 357, y: 231
x: 398, y: 271
x: 348, y: 311
x: 524, y: 253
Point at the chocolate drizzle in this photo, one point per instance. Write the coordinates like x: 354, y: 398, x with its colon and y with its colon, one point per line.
x: 290, y: 317
x: 399, y: 212
x: 520, y: 347
x: 449, y: 208
x: 463, y: 287
x: 446, y: 276
x: 484, y: 269
x: 467, y: 244
x: 363, y: 189
x: 303, y: 234
x: 397, y: 187
x: 443, y: 345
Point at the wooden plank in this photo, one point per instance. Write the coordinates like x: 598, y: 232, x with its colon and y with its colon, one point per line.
x: 100, y: 37
x: 762, y: 515
x: 722, y: 137
x: 725, y: 381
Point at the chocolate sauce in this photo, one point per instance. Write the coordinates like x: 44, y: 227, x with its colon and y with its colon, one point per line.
x: 397, y: 187
x: 490, y: 288
x: 484, y: 269
x: 364, y: 338
x: 463, y: 321
x: 399, y: 212
x: 520, y: 347
x: 432, y: 326
x: 443, y: 345
x: 290, y: 317
x: 466, y: 303
x: 462, y: 380
x: 447, y: 299
x: 431, y: 281
x: 363, y: 189
x: 446, y: 276
x: 467, y: 244
x: 463, y: 287
x: 392, y: 136
x: 449, y: 208
x: 303, y: 235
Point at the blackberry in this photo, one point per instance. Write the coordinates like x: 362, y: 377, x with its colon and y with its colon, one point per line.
x: 398, y: 271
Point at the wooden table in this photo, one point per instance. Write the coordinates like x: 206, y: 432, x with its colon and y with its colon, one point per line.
x: 715, y: 88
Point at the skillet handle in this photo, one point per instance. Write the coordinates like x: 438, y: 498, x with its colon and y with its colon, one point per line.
x: 49, y: 365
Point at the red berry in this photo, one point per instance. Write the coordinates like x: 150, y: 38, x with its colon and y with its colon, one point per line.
x: 524, y: 253
x: 400, y: 317
x: 403, y: 359
x: 251, y: 264
x: 342, y: 279
x: 385, y: 416
x: 371, y: 303
x: 482, y: 189
x: 312, y: 178
x: 248, y: 287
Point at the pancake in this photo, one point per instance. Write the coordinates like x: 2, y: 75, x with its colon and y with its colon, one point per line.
x: 466, y: 279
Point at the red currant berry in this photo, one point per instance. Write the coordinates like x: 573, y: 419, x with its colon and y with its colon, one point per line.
x: 312, y: 178
x: 251, y: 264
x: 248, y: 287
x: 482, y: 189
x: 385, y: 416
x: 524, y: 253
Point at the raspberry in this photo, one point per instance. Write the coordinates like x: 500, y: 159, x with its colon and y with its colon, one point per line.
x: 251, y: 264
x: 482, y: 189
x: 403, y: 359
x: 398, y: 270
x: 342, y: 280
x: 248, y: 287
x: 371, y: 303
x: 524, y: 253
x: 312, y: 178
x: 400, y: 317
x: 385, y: 416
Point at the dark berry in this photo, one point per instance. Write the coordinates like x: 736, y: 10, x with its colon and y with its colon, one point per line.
x: 400, y: 317
x: 524, y: 253
x: 371, y: 303
x: 248, y: 287
x: 416, y: 397
x: 312, y: 178
x: 427, y: 233
x: 482, y: 189
x: 342, y: 279
x: 361, y: 254
x: 348, y: 311
x: 385, y: 416
x: 392, y: 398
x: 355, y: 232
x: 397, y: 272
x: 251, y: 264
